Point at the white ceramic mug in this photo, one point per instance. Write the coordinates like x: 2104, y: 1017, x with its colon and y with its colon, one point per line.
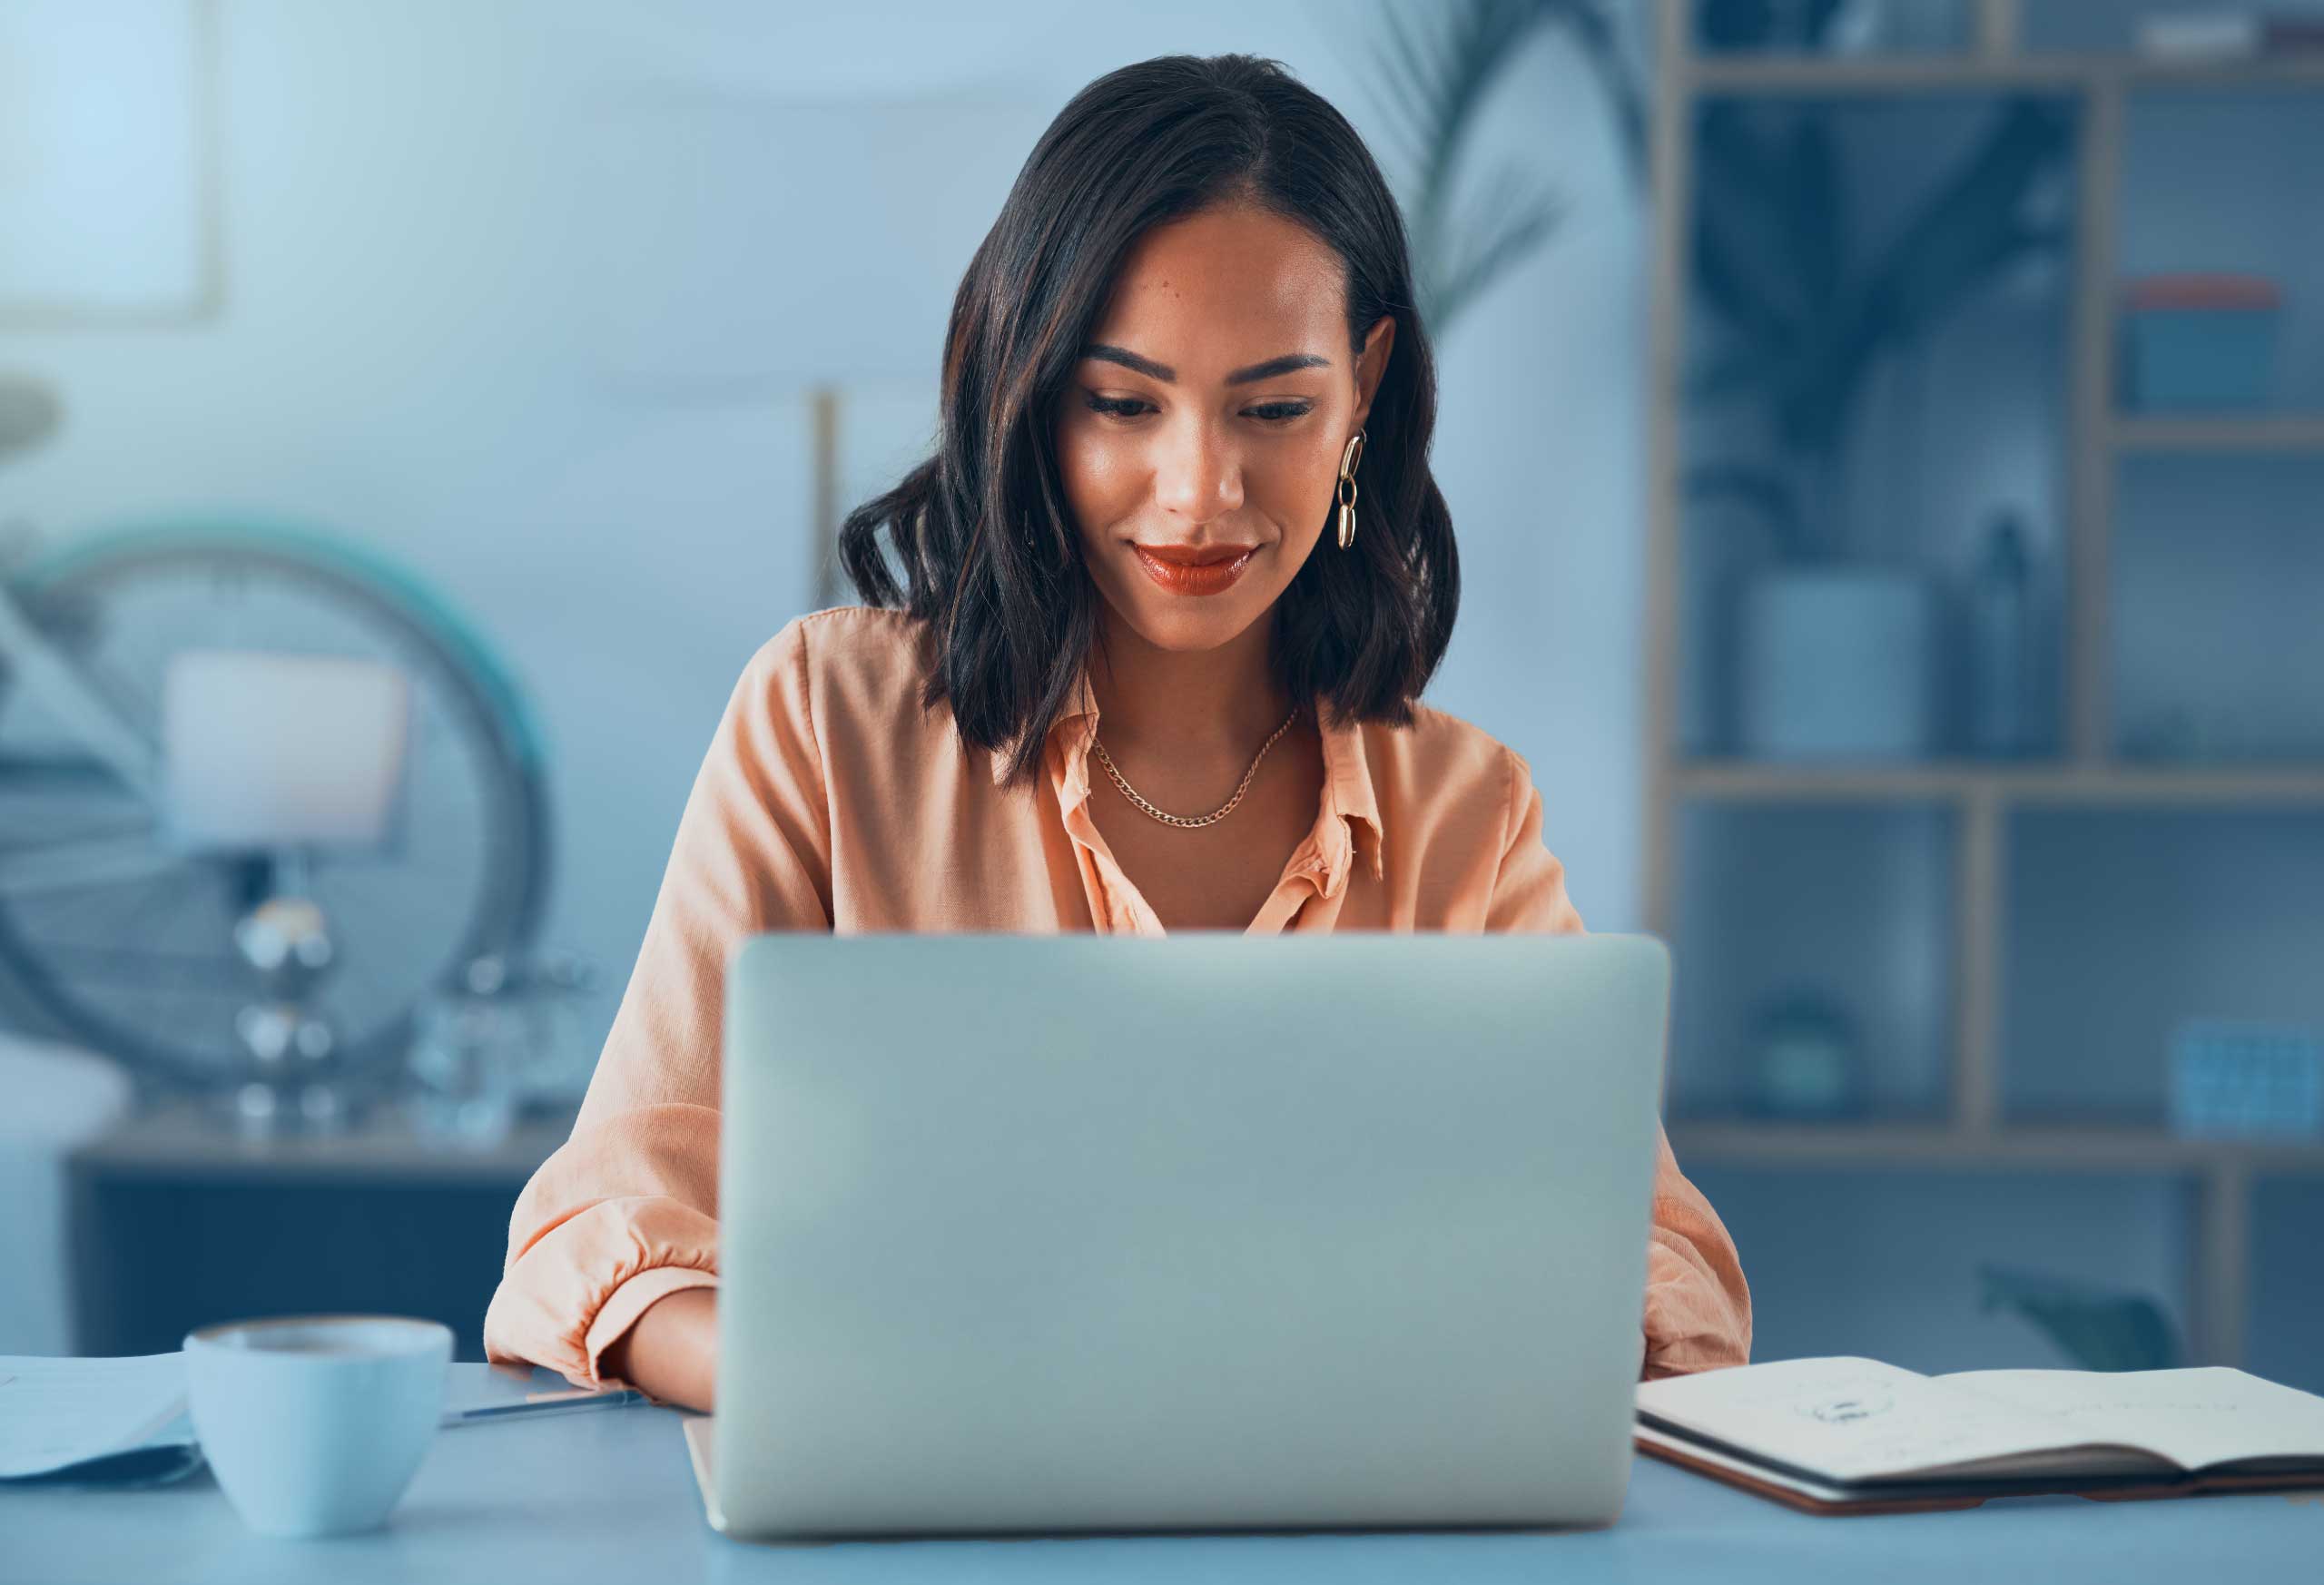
x: 316, y: 1423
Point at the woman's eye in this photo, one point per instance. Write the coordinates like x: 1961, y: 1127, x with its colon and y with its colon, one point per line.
x: 1134, y: 406
x: 1115, y: 406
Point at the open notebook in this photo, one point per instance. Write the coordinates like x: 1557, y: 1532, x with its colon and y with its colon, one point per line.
x: 1856, y: 1435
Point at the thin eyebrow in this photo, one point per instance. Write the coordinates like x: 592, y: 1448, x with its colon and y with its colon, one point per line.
x: 1105, y: 353
x: 1274, y: 366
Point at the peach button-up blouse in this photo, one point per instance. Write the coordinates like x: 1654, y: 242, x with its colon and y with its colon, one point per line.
x: 830, y: 801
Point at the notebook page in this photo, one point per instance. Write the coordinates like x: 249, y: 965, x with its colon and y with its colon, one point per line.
x: 59, y: 1412
x: 2206, y: 1415
x: 1847, y: 1419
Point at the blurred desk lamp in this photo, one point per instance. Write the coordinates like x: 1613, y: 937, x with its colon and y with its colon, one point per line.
x: 285, y: 756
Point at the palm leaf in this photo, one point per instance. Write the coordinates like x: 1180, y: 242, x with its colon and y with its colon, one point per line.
x: 1594, y: 35
x: 1751, y: 258
x: 1818, y: 202
x: 1437, y: 70
x: 1761, y: 491
x: 1966, y: 233
x: 1513, y: 217
x: 1440, y: 71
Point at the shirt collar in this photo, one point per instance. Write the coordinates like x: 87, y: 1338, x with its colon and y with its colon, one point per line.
x: 1348, y: 793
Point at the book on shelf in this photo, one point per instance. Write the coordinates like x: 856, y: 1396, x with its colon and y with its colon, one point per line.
x: 1846, y: 1435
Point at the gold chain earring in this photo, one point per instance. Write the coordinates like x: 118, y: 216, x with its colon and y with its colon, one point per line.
x: 1349, y: 457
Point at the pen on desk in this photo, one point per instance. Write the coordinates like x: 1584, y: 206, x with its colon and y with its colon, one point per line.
x: 548, y: 1403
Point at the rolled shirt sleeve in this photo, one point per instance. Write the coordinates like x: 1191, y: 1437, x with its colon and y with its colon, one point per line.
x: 1697, y: 1306
x: 1697, y: 1312
x: 624, y: 1213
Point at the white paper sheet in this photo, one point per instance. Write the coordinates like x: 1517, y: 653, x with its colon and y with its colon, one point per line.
x: 55, y: 1413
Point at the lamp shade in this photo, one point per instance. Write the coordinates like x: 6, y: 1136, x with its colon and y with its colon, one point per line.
x: 264, y: 749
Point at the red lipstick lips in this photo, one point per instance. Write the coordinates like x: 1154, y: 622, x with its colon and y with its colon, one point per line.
x: 1189, y: 569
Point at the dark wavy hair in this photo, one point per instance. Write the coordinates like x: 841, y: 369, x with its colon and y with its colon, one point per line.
x: 984, y: 545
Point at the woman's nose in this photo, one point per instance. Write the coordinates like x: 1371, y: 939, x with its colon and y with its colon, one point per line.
x: 1199, y: 475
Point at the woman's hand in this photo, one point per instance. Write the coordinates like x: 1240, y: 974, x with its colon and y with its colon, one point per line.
x: 671, y: 1352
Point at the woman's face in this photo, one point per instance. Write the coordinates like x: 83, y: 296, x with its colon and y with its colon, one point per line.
x: 1206, y: 419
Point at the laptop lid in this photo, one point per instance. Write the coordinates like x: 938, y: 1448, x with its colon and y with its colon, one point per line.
x: 1080, y: 1232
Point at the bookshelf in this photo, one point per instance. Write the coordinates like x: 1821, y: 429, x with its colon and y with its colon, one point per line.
x: 1969, y: 1124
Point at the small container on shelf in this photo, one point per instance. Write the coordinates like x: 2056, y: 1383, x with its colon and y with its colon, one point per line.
x: 1805, y: 1066
x: 1838, y: 663
x: 2244, y: 1080
x: 2196, y: 343
x: 1822, y: 938
x: 2208, y: 34
x: 2001, y: 641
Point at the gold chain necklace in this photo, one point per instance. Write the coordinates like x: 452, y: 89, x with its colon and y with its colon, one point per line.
x: 1188, y: 822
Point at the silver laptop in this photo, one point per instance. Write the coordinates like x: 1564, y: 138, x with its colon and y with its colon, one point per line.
x: 1047, y: 1233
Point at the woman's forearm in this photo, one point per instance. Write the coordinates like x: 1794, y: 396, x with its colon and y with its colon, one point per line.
x: 671, y: 1351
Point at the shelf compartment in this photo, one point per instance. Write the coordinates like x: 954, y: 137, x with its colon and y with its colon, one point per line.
x: 1832, y: 1265
x: 2206, y: 177
x: 1842, y: 907
x: 2283, y: 1329
x: 1785, y: 509
x: 2217, y: 577
x: 2124, y: 923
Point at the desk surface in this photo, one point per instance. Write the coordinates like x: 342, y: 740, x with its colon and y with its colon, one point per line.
x: 608, y: 1495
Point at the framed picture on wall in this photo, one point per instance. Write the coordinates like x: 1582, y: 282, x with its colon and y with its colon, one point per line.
x: 109, y: 207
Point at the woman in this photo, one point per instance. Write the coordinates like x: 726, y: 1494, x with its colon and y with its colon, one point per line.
x: 1147, y: 659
